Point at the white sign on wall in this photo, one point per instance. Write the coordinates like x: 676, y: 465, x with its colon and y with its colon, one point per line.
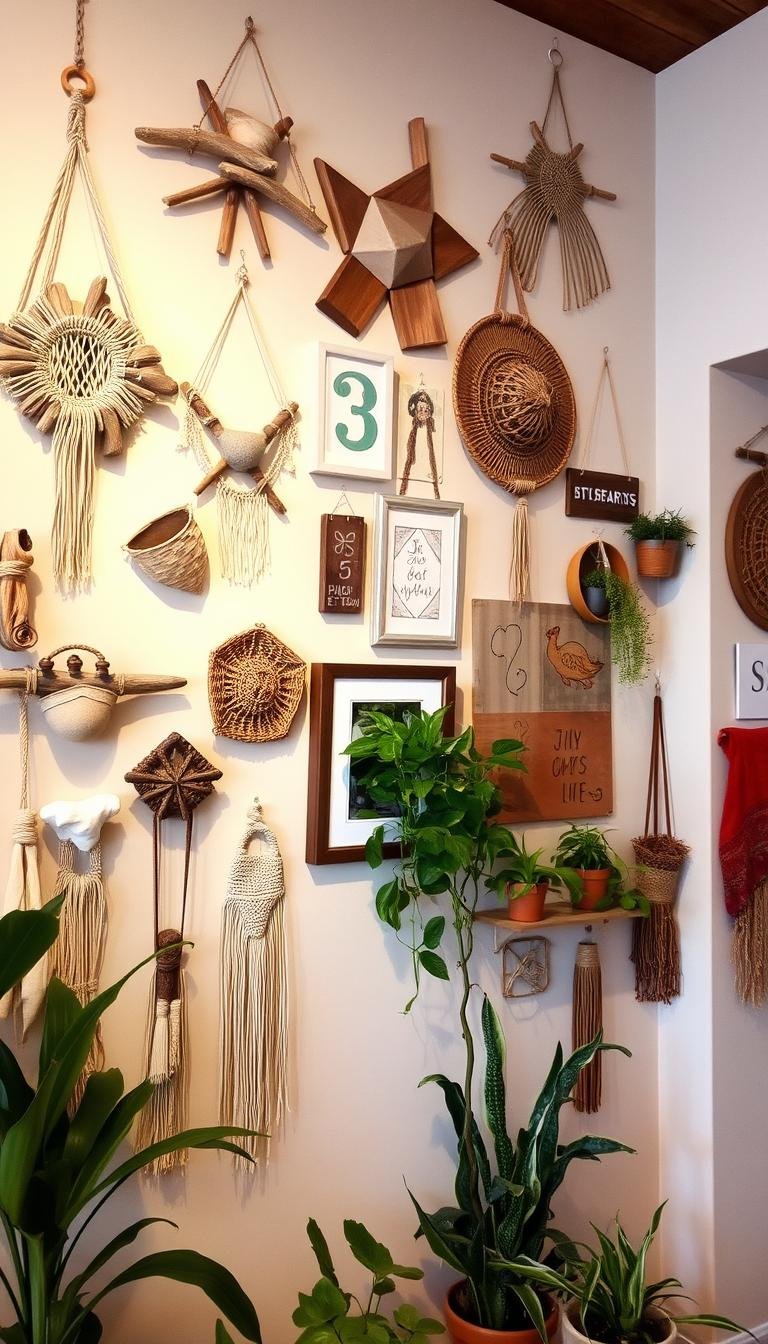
x: 752, y: 681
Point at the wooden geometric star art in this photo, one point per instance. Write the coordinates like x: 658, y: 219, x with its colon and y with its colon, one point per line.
x: 396, y: 246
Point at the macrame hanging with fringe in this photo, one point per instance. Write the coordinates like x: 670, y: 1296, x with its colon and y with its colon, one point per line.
x: 263, y: 454
x: 22, y: 891
x: 660, y: 857
x: 172, y: 780
x: 77, y: 955
x: 555, y: 192
x: 77, y: 369
x: 587, y: 1021
x: 254, y: 990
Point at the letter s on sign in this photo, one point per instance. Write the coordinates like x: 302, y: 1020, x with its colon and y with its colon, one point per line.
x: 758, y: 672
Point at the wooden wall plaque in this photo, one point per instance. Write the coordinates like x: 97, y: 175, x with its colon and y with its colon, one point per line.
x: 342, y: 563
x: 601, y: 494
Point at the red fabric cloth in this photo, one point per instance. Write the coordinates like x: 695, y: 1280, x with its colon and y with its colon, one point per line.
x: 744, y: 824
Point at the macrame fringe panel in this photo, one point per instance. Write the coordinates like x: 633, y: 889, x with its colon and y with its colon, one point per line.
x: 749, y: 948
x: 78, y: 953
x: 520, y: 562
x: 587, y: 1021
x: 656, y: 938
x: 165, y: 1114
x: 22, y: 891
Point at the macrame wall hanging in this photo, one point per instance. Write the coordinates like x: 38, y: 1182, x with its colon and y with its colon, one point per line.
x: 555, y: 192
x: 515, y: 408
x: 248, y: 147
x: 79, y: 370
x: 255, y: 686
x: 263, y: 454
x: 746, y: 536
x: 587, y: 1021
x: 172, y: 780
x: 22, y: 891
x: 660, y: 857
x: 78, y: 953
x: 254, y: 990
x: 744, y: 857
x: 16, y: 560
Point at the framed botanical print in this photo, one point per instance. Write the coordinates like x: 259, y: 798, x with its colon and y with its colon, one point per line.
x: 356, y: 404
x: 417, y: 552
x: 339, y: 819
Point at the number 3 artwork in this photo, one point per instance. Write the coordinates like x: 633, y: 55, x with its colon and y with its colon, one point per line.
x: 356, y: 415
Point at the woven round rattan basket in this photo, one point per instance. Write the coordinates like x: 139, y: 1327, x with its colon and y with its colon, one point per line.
x: 171, y: 550
x: 255, y: 685
x: 746, y: 547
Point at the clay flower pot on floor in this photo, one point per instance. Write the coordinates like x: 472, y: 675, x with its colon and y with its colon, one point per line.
x: 528, y: 908
x: 595, y: 884
x: 464, y: 1332
x: 661, y: 1328
x: 658, y: 559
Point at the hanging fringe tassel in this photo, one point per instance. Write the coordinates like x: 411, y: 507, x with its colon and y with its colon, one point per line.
x: 74, y: 456
x: 166, y: 1054
x: 520, y: 562
x: 78, y: 953
x: 656, y: 939
x: 243, y: 533
x: 587, y: 1021
x: 22, y: 891
x: 254, y: 994
x: 749, y: 948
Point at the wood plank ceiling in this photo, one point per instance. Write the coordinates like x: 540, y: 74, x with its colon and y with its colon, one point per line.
x: 651, y: 33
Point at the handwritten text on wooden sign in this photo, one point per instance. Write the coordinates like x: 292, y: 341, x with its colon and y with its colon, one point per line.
x: 342, y: 563
x: 600, y: 494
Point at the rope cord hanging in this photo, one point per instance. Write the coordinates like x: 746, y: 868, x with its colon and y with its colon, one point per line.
x: 605, y: 376
x: 587, y: 1021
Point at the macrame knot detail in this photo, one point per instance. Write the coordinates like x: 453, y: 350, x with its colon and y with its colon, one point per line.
x: 24, y: 830
x: 521, y: 402
x: 76, y: 119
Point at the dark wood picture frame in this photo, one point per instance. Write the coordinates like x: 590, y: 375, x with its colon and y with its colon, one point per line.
x: 322, y: 686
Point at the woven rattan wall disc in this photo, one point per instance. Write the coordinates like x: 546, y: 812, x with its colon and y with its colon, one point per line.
x: 514, y: 402
x: 255, y: 685
x: 746, y: 547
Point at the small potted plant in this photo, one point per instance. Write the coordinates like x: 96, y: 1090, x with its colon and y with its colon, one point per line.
x: 329, y: 1313
x: 595, y: 595
x: 659, y: 540
x: 630, y: 627
x: 525, y: 881
x: 602, y: 872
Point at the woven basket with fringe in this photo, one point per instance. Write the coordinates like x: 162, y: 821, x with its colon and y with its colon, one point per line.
x: 171, y: 550
x: 255, y: 685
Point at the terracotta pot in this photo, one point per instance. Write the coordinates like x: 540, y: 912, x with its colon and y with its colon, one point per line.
x: 529, y: 908
x: 595, y: 883
x: 464, y: 1332
x: 571, y: 1334
x: 586, y: 559
x: 658, y: 559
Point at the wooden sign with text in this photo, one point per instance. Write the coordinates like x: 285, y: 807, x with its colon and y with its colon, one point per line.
x: 342, y: 563
x: 601, y: 494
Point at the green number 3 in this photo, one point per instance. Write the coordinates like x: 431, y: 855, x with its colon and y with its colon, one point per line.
x: 370, y: 429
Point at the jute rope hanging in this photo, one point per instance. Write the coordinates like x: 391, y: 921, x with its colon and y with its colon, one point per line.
x: 243, y: 511
x: 515, y: 407
x: 587, y: 1021
x: 79, y: 370
x: 254, y: 990
x: 555, y: 191
x: 16, y: 560
x: 660, y: 857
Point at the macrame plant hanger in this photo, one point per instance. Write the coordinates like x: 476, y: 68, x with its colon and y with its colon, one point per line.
x: 555, y: 191
x: 78, y: 370
x: 264, y: 454
x: 660, y: 857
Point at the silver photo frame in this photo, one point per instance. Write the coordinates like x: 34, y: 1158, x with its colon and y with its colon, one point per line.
x: 417, y: 572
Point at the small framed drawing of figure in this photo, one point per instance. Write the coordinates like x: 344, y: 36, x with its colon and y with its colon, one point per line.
x: 356, y: 414
x: 417, y: 571
x: 420, y: 437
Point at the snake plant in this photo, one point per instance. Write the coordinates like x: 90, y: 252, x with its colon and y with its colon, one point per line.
x: 496, y: 1234
x: 58, y: 1169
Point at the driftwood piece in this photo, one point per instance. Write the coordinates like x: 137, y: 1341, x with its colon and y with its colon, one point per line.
x: 193, y: 141
x: 15, y: 679
x: 212, y: 422
x: 197, y: 193
x: 276, y: 192
x: 16, y: 631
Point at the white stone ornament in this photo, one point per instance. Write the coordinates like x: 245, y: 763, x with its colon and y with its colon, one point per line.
x: 81, y: 821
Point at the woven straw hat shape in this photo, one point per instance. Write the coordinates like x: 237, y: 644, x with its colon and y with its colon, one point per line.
x: 514, y: 402
x: 171, y: 550
x: 255, y: 685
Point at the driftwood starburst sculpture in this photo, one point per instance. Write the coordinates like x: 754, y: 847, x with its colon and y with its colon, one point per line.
x: 396, y: 246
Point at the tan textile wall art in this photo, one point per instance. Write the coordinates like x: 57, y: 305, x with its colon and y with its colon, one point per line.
x: 255, y: 686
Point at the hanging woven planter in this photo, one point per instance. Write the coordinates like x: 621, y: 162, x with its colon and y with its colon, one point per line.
x: 171, y: 550
x: 255, y: 685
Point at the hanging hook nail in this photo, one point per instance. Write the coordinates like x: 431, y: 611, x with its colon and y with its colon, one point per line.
x: 554, y: 51
x: 657, y: 681
x: 242, y: 270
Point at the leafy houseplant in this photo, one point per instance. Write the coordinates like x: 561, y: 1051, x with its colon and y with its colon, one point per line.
x: 659, y: 539
x: 328, y: 1314
x: 603, y: 873
x: 526, y: 881
x: 630, y: 627
x: 56, y: 1169
x: 500, y: 1225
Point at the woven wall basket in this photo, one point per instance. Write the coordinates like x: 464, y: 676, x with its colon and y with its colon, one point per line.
x: 255, y: 685
x: 171, y: 550
x: 746, y: 547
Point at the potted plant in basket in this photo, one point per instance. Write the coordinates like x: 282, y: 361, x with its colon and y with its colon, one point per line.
x: 58, y: 1168
x: 525, y: 881
x: 603, y: 874
x: 630, y: 628
x: 659, y: 539
x: 330, y: 1313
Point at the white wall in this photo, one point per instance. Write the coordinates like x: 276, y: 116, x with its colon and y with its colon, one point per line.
x: 711, y: 293
x: 351, y: 75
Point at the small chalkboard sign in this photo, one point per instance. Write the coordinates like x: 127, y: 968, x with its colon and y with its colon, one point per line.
x: 342, y: 563
x: 601, y: 494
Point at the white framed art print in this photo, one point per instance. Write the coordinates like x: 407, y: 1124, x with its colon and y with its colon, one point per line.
x: 356, y: 419
x: 417, y: 551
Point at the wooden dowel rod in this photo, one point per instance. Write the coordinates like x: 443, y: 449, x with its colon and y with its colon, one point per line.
x: 228, y: 221
x: 205, y: 142
x: 274, y: 501
x: 276, y: 192
x: 253, y: 211
x: 211, y: 476
x: 209, y: 188
x: 752, y: 455
x: 201, y: 409
x: 519, y: 167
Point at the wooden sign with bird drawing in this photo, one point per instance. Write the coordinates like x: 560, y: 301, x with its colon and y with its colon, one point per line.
x: 542, y: 675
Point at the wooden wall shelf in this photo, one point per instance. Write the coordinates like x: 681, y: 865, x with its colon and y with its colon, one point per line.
x: 558, y: 912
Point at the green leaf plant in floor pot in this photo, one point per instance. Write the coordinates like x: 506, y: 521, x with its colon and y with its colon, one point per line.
x: 631, y: 635
x: 329, y: 1313
x: 525, y: 881
x: 59, y: 1167
x: 603, y: 874
x: 659, y: 539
